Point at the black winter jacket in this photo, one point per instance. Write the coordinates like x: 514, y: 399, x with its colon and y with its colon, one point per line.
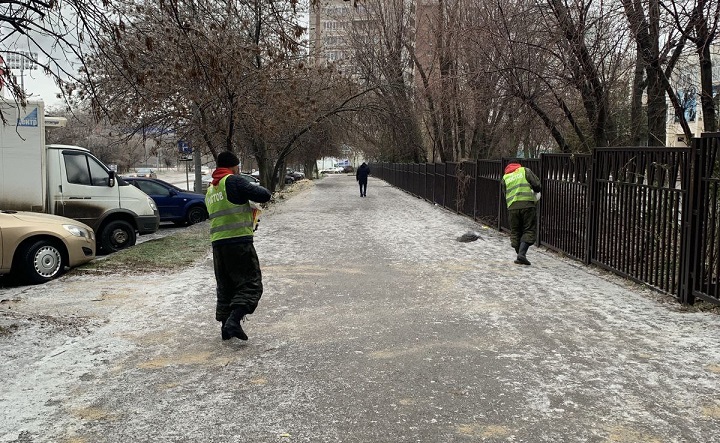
x: 362, y: 173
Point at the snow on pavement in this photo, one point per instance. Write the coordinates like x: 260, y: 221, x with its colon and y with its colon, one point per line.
x: 376, y: 325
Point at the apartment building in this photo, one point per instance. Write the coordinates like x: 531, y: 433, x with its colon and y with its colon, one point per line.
x: 686, y: 82
x: 342, y: 32
x: 330, y: 25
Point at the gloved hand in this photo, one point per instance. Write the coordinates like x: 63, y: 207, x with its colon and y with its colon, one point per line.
x: 537, y: 196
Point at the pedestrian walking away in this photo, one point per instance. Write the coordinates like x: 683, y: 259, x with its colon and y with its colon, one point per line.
x: 362, y: 177
x: 233, y: 221
x: 520, y: 185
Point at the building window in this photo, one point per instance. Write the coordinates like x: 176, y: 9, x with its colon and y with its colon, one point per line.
x: 688, y: 100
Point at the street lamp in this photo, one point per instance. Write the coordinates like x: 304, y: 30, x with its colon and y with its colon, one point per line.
x: 22, y: 60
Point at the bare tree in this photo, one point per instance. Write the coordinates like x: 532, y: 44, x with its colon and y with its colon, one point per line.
x: 322, y: 140
x: 51, y: 35
x: 232, y: 81
x: 698, y: 22
x: 107, y: 142
x: 659, y: 63
x: 378, y: 39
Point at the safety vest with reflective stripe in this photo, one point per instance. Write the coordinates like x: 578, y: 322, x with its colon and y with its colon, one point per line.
x: 517, y: 188
x: 227, y: 220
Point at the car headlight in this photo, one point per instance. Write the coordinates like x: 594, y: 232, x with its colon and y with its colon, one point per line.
x: 151, y: 202
x: 78, y: 231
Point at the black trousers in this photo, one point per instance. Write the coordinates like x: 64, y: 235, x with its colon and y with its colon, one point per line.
x: 522, y: 226
x: 363, y: 187
x: 238, y: 277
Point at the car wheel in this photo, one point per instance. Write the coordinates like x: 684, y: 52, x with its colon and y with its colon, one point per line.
x: 196, y: 214
x: 40, y: 262
x: 117, y: 235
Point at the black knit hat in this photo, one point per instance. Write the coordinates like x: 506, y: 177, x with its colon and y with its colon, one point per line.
x: 227, y: 159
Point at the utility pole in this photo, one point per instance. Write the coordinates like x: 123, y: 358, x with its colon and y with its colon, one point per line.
x: 197, y: 161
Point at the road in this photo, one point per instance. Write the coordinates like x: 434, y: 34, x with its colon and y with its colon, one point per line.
x: 376, y: 326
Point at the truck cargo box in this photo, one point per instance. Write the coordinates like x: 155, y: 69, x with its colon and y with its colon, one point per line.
x: 23, y: 183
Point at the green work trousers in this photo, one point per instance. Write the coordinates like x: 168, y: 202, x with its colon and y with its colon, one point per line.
x: 522, y: 226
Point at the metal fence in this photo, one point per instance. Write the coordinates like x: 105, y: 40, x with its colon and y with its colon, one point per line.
x: 636, y: 208
x: 564, y: 204
x: 649, y: 214
x: 703, y: 230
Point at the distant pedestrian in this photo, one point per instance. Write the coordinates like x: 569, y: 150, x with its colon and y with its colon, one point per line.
x: 519, y: 186
x: 362, y: 177
x: 232, y: 225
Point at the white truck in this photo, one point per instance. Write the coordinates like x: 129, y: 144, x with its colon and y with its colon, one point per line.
x: 67, y: 181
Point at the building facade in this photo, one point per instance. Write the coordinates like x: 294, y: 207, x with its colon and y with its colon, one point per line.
x: 686, y: 83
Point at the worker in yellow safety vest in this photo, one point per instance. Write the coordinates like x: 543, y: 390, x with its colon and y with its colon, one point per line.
x: 233, y: 219
x: 521, y: 188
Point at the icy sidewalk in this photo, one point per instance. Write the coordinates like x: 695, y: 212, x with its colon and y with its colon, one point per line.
x: 446, y: 341
x: 376, y: 325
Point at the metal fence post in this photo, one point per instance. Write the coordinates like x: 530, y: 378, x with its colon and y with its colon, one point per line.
x: 591, y: 211
x: 688, y: 243
x: 501, y: 202
x: 475, y: 191
x: 444, y: 185
x: 538, y: 205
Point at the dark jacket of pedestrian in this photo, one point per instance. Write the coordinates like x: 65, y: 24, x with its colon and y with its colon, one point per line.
x: 362, y: 173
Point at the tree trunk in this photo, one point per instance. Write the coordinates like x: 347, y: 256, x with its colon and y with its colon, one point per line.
x: 647, y: 36
x: 590, y: 84
x: 657, y: 106
x: 432, y: 109
x: 703, y: 43
x: 638, y: 86
x: 550, y: 125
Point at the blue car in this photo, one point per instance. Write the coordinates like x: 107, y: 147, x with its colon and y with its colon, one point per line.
x: 174, y: 204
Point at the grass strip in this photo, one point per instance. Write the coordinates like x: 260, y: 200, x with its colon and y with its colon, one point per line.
x: 167, y: 254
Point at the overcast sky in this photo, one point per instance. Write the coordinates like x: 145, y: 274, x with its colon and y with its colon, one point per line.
x: 39, y: 85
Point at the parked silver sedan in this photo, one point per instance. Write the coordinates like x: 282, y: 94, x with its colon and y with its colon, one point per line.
x: 145, y: 173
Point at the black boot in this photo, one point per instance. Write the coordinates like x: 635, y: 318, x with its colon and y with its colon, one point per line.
x: 223, y: 333
x: 232, y: 326
x: 522, y: 250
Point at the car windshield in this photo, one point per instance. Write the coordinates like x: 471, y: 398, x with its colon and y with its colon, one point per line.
x: 158, y: 183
